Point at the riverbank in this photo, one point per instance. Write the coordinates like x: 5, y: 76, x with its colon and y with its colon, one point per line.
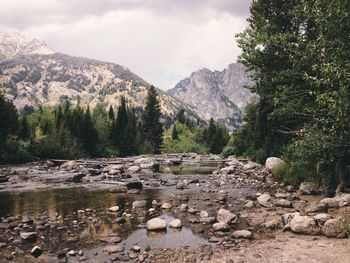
x: 98, y: 211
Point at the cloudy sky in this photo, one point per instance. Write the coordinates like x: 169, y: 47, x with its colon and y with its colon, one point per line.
x: 162, y: 41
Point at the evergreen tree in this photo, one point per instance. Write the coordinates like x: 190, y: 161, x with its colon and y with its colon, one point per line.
x: 89, y: 134
x: 211, y: 131
x: 24, y: 131
x: 8, y: 119
x: 120, y: 126
x: 174, y: 133
x: 152, y: 126
x: 111, y: 113
x: 219, y: 140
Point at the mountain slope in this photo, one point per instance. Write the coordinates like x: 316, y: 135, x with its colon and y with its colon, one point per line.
x: 219, y: 95
x: 31, y: 80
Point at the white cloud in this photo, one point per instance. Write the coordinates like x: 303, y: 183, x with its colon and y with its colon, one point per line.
x: 160, y: 48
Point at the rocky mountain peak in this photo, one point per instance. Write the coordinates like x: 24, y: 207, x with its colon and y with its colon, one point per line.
x: 13, y: 44
x: 221, y: 95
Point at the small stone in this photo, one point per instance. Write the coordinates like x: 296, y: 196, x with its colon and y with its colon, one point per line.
x: 136, y: 248
x: 71, y: 253
x: 176, y: 223
x: 203, y: 214
x: 36, y: 251
x: 284, y: 203
x: 225, y: 216
x: 139, y: 204
x: 113, y: 249
x: 166, y: 206
x: 29, y: 236
x: 183, y: 207
x: 221, y: 226
x: 114, y: 209
x: 242, y: 234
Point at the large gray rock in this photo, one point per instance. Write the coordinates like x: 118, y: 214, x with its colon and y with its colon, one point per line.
x: 306, y: 188
x: 273, y: 162
x: 156, y: 224
x: 221, y: 226
x: 339, y: 200
x: 313, y: 207
x: 70, y: 165
x: 286, y: 218
x: 264, y: 199
x: 147, y: 163
x: 304, y: 225
x: 334, y: 228
x: 225, y: 216
x: 134, y: 169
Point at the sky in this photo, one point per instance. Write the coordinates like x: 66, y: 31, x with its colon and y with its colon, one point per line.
x: 162, y: 41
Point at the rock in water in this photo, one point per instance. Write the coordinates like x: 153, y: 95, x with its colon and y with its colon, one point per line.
x: 147, y: 164
x: 156, y: 224
x: 176, y: 223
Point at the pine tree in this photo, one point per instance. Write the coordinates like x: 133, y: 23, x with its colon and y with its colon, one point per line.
x: 152, y: 126
x: 174, y: 133
x: 211, y: 131
x: 111, y: 113
x: 8, y: 119
x: 120, y: 126
x: 24, y: 131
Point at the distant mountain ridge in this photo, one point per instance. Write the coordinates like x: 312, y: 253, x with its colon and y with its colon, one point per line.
x: 221, y: 95
x: 33, y: 75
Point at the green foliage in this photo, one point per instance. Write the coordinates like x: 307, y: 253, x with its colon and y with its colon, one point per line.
x: 186, y: 141
x: 297, y: 52
x: 8, y: 119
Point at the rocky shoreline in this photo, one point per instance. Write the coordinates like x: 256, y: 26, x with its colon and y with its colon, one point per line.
x: 235, y: 214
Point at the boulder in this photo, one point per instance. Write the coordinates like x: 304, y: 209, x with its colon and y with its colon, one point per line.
x: 340, y: 200
x: 264, y: 199
x: 225, y: 216
x: 313, y: 207
x: 176, y: 223
x: 221, y: 226
x: 134, y: 169
x: 70, y: 165
x: 242, y: 234
x: 322, y: 218
x: 273, y: 162
x: 306, y: 188
x: 139, y: 204
x: 334, y: 228
x: 284, y: 203
x: 286, y: 218
x: 156, y: 224
x: 304, y: 225
x: 147, y: 163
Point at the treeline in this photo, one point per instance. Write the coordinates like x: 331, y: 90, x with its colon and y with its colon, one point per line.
x: 298, y: 53
x: 70, y: 132
x: 73, y: 132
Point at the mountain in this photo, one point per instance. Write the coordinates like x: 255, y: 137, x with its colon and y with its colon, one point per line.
x: 13, y: 44
x: 33, y: 75
x: 221, y: 95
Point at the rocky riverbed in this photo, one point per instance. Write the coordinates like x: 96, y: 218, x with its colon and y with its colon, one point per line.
x: 165, y: 208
